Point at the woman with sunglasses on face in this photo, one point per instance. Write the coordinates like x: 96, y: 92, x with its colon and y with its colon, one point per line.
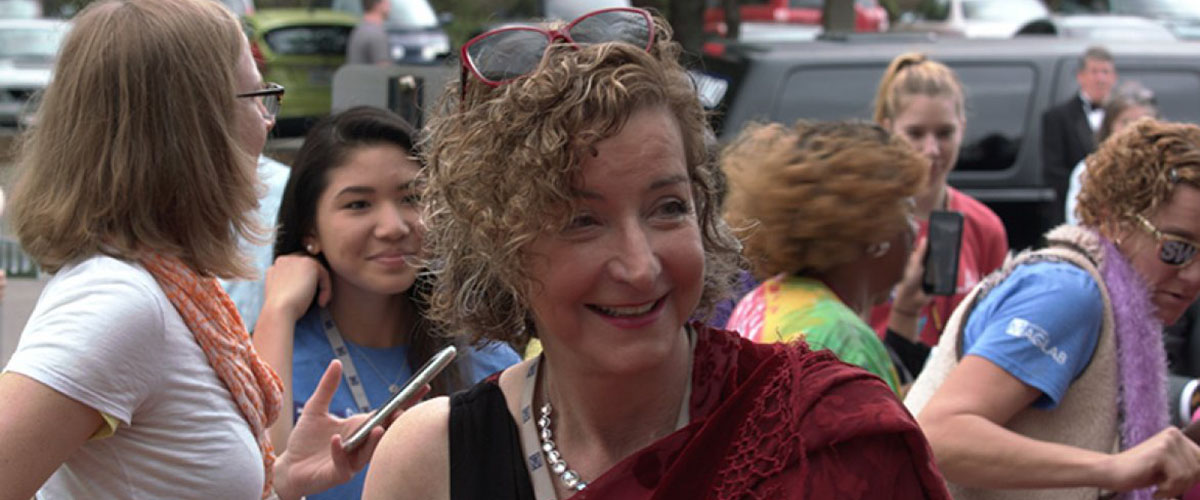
x: 134, y: 377
x: 922, y: 101
x: 347, y: 275
x: 592, y: 225
x: 1057, y: 361
x: 828, y: 229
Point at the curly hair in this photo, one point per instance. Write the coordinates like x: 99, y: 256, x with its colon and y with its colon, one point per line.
x: 814, y: 196
x: 1135, y: 170
x: 501, y: 163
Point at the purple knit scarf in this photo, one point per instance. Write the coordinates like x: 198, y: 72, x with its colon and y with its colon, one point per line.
x: 1141, y: 358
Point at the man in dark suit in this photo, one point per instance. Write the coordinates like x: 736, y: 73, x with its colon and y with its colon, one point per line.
x: 1068, y: 129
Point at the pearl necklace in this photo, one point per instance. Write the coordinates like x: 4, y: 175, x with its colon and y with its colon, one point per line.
x: 569, y: 477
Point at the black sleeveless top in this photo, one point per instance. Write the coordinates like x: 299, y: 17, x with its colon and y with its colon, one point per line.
x: 485, y: 447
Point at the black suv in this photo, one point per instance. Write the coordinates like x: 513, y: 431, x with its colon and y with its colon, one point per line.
x: 1008, y: 84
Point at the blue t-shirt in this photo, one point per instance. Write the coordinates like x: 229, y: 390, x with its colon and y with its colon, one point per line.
x: 312, y: 354
x: 1040, y: 325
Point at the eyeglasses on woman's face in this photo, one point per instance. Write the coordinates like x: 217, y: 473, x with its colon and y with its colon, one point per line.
x: 270, y: 97
x: 1172, y: 250
x: 499, y: 56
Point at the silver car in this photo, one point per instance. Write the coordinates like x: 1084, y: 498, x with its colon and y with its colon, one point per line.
x: 28, y: 48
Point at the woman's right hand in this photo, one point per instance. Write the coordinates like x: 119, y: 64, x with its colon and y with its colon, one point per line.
x: 1168, y: 461
x: 908, y: 299
x: 292, y: 282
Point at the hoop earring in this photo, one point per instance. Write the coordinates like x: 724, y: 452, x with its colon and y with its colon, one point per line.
x: 877, y: 250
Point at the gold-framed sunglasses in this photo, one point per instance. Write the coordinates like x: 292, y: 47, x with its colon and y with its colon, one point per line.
x: 1172, y: 250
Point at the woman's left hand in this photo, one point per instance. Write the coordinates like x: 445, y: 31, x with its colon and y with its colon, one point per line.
x: 314, y: 460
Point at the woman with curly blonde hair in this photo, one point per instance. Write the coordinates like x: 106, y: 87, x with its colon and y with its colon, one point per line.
x: 826, y: 210
x: 592, y: 223
x: 1057, y: 360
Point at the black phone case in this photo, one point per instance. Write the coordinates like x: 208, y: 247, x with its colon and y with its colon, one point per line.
x: 941, y: 253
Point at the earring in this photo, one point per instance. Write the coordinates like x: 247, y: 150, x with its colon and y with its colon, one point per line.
x: 877, y: 250
x: 312, y: 249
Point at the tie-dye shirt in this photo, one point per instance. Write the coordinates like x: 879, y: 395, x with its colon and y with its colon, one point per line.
x: 787, y: 308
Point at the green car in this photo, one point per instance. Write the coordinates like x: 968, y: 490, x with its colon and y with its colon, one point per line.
x: 299, y: 49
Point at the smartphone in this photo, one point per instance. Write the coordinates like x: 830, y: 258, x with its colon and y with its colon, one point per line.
x: 941, y: 253
x: 430, y: 369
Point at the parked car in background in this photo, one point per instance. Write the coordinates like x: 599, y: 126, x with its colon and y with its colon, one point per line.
x: 971, y: 18
x: 299, y: 49
x: 1097, y: 27
x: 1009, y: 84
x: 28, y: 48
x: 869, y: 16
x: 760, y: 33
x: 20, y: 9
x: 415, y: 35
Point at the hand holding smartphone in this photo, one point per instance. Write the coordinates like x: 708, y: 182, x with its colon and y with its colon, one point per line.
x: 941, y: 254
x: 403, y: 397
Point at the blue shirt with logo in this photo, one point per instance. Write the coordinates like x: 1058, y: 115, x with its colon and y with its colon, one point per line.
x: 1040, y: 325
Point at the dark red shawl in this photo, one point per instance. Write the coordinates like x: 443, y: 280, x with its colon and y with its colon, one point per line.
x: 780, y: 421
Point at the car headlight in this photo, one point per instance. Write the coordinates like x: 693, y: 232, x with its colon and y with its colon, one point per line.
x: 398, y: 52
x: 433, y: 50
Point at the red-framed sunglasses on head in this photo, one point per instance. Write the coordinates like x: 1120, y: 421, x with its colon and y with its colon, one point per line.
x: 502, y: 55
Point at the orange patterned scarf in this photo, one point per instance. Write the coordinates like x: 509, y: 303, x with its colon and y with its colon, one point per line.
x: 217, y: 326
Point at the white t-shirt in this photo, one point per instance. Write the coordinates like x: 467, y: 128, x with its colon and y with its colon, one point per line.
x: 104, y: 334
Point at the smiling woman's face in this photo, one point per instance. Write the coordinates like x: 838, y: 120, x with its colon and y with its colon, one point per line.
x: 616, y: 285
x: 368, y: 221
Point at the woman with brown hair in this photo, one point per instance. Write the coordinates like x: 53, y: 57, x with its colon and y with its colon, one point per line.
x: 135, y: 375
x: 571, y: 197
x: 347, y: 281
x: 825, y: 211
x: 1057, y: 361
x: 923, y: 102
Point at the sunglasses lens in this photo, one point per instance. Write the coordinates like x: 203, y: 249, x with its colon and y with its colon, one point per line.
x: 1176, y: 253
x: 506, y: 54
x: 613, y: 26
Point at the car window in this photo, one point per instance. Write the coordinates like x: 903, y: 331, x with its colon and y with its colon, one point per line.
x: 934, y: 10
x: 309, y: 40
x: 1175, y: 89
x: 30, y: 42
x: 1165, y: 9
x: 998, y: 105
x: 1006, y: 10
x: 19, y: 9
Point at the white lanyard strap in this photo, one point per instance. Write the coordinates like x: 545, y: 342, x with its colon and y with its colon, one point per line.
x: 349, y: 372
x: 535, y: 461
